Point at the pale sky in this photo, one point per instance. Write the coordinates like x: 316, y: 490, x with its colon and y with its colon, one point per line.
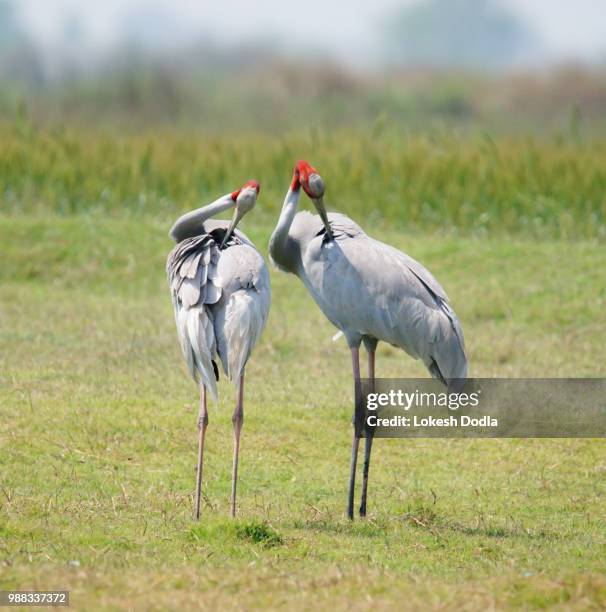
x: 348, y: 29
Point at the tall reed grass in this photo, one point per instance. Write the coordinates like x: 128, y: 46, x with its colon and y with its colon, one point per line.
x: 548, y: 187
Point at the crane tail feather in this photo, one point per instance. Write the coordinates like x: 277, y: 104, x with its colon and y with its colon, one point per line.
x: 197, y: 340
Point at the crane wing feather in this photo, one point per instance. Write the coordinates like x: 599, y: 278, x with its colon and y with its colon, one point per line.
x: 244, y: 279
x: 368, y: 288
x: 187, y: 269
x: 221, y: 301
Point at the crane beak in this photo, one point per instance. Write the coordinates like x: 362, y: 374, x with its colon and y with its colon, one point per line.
x: 232, y: 226
x: 319, y: 202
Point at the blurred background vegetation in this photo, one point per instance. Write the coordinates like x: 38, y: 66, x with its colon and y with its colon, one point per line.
x: 470, y: 114
x: 463, y: 63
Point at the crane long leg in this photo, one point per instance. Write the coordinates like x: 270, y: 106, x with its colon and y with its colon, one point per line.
x: 237, y: 419
x: 355, y: 362
x: 202, y: 424
x: 369, y: 436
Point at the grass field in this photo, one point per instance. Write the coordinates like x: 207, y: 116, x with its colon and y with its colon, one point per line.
x: 547, y: 187
x: 98, y: 416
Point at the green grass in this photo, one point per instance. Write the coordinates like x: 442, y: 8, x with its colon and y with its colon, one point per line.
x: 545, y: 188
x: 98, y: 433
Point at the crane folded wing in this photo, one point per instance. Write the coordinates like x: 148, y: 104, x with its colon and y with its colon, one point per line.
x: 190, y: 268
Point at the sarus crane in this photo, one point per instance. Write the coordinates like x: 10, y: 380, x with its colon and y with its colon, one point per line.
x: 370, y: 291
x: 219, y: 285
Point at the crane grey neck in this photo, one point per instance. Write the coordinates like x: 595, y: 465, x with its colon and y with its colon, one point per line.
x: 192, y: 223
x: 283, y: 249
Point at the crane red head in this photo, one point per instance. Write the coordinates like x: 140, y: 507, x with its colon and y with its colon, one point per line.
x: 249, y: 186
x: 306, y: 176
x: 245, y: 199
